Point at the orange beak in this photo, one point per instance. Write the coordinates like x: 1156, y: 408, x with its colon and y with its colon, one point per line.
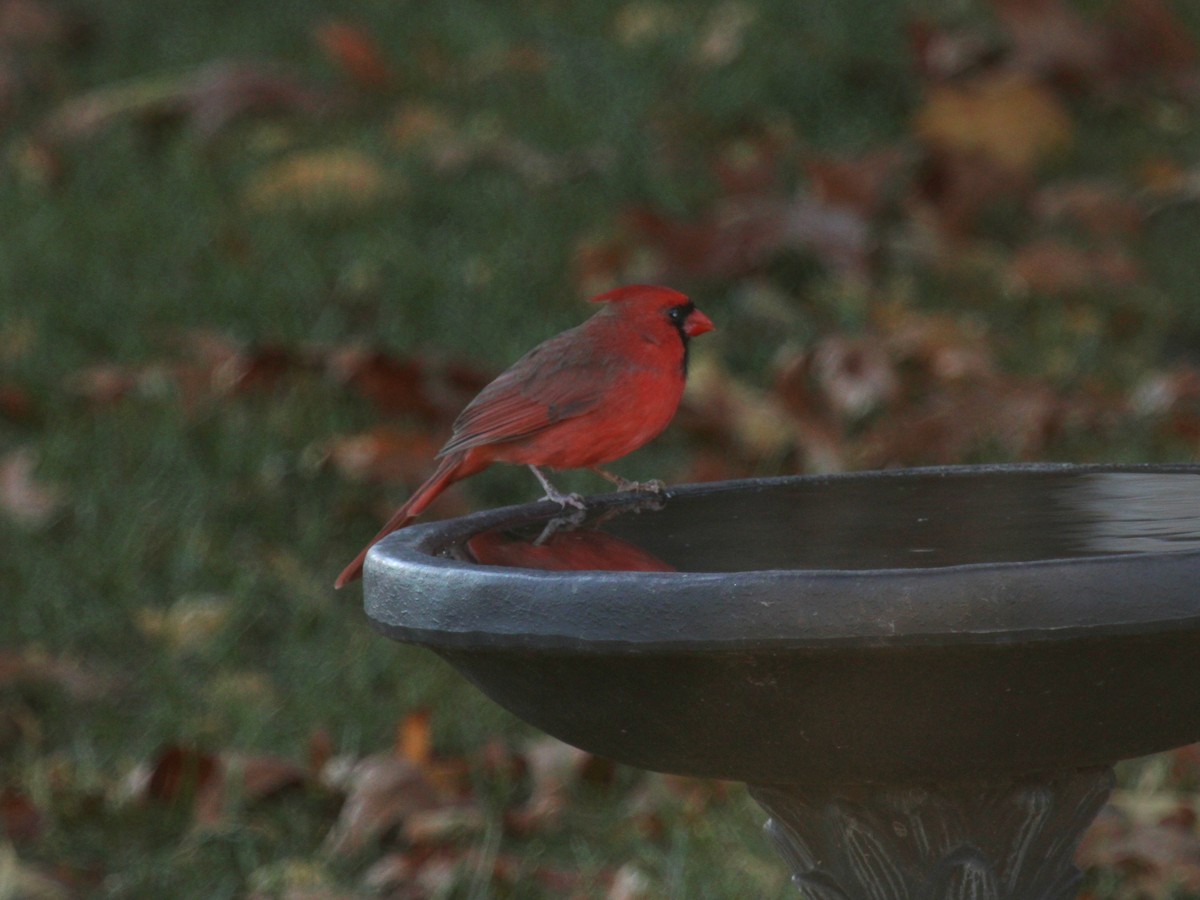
x: 697, y: 323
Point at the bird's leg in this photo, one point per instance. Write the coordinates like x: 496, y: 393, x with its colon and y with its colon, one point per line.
x: 553, y: 493
x: 654, y: 486
x: 566, y: 521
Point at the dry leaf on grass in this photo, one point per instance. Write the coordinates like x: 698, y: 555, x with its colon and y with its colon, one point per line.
x: 189, y: 624
x: 1006, y: 118
x: 24, y: 499
x: 353, y: 50
x: 1053, y: 267
x: 319, y: 182
x: 206, y: 100
x: 382, y: 792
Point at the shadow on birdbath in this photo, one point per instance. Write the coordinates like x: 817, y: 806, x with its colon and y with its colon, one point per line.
x: 924, y: 676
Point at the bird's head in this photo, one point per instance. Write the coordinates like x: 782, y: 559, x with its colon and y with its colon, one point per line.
x: 652, y: 304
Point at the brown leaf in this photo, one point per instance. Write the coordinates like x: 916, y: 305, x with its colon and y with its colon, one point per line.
x: 32, y: 667
x: 742, y: 234
x: 954, y: 190
x: 181, y: 773
x: 940, y: 346
x: 24, y: 499
x: 36, y: 23
x: 1103, y: 210
x: 860, y: 184
x: 352, y: 49
x: 941, y: 54
x: 1147, y: 38
x: 1021, y: 416
x: 1052, y: 267
x: 382, y: 792
x: 20, y: 819
x: 1006, y: 118
x: 16, y: 405
x: 554, y: 768
x: 433, y: 392
x: 384, y: 453
x: 1052, y: 39
x: 261, y: 776
x: 206, y: 101
x: 855, y: 375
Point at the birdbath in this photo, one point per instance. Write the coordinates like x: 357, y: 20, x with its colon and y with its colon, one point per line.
x: 924, y: 676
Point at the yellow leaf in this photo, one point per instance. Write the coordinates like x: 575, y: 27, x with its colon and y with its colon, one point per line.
x: 318, y: 182
x: 1008, y: 118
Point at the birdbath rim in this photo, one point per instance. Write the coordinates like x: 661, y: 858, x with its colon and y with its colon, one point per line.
x: 416, y: 595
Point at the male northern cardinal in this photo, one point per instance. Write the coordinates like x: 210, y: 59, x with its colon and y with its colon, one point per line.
x: 583, y: 398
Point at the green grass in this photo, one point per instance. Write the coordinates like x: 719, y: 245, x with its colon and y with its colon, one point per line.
x: 167, y: 503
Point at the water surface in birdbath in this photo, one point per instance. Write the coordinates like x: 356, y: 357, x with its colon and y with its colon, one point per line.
x: 934, y: 520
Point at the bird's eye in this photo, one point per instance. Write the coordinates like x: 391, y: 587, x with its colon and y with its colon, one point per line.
x: 678, y: 313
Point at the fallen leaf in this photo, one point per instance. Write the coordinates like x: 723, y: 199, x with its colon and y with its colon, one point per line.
x: 33, y: 667
x: 861, y: 184
x: 1148, y: 38
x: 23, y: 498
x: 20, y: 820
x: 322, y: 181
x: 383, y: 454
x: 28, y: 24
x: 189, y: 624
x: 1053, y: 267
x: 630, y: 883
x: 352, y: 49
x: 1052, y: 39
x: 417, y: 125
x: 25, y: 882
x: 943, y: 53
x: 433, y: 391
x: 940, y: 346
x: 16, y: 405
x: 258, y: 777
x: 1009, y: 119
x: 950, y: 424
x: 414, y: 737
x: 1104, y: 210
x: 856, y: 375
x: 382, y: 792
x: 742, y: 234
x: 723, y: 34
x: 554, y: 768
x: 953, y: 190
x: 645, y: 22
x: 444, y: 825
x: 206, y: 100
x: 181, y: 773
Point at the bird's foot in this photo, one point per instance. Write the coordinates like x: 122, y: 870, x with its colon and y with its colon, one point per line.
x: 552, y: 493
x: 653, y: 486
x: 573, y: 500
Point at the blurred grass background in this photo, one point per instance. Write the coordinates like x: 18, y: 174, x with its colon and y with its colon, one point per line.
x: 117, y: 244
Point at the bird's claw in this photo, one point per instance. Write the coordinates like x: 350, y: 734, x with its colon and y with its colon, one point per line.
x: 653, y: 486
x: 564, y: 500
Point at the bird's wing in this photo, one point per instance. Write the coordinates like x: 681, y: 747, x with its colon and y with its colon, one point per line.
x: 560, y: 379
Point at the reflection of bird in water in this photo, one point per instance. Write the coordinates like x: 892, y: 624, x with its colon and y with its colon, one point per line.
x: 565, y: 551
x: 581, y: 399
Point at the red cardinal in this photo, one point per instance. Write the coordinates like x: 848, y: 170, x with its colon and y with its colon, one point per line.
x: 583, y: 398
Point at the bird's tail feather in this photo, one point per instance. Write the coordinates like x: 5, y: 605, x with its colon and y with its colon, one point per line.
x: 449, y: 471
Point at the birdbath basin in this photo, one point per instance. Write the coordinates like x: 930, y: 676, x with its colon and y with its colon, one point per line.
x: 925, y: 676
